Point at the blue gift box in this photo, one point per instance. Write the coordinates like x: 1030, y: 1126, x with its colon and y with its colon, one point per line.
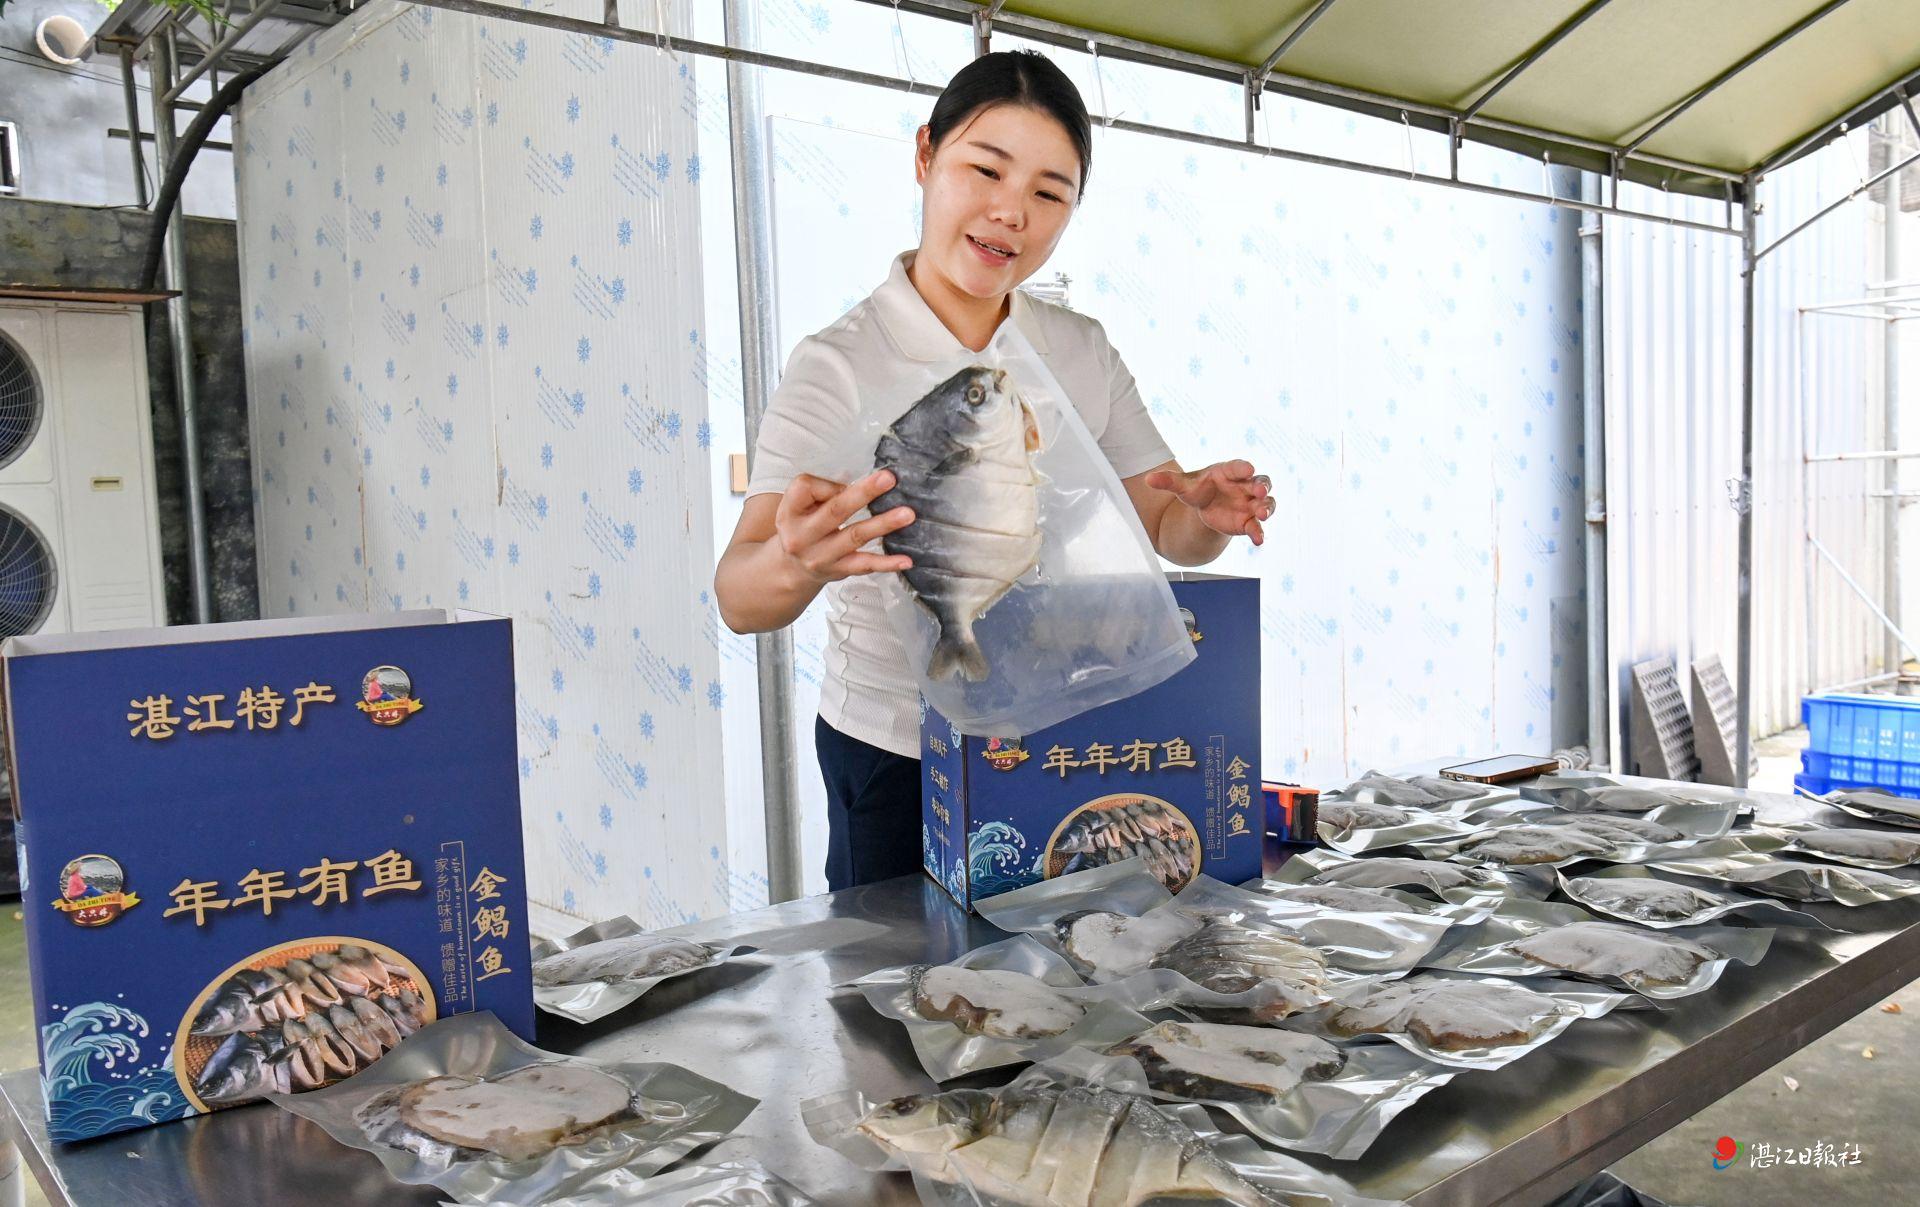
x: 212, y: 817
x: 1001, y: 812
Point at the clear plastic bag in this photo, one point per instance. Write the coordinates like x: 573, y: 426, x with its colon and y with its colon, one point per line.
x: 737, y: 1183
x: 1421, y: 1015
x: 1455, y: 883
x: 1636, y: 895
x: 1035, y: 594
x: 467, y: 1107
x: 1005, y: 1003
x: 593, y: 972
x: 1792, y: 880
x: 1541, y: 938
x: 958, y: 1144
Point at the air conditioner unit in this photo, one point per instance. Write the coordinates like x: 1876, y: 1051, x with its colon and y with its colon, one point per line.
x: 79, y: 522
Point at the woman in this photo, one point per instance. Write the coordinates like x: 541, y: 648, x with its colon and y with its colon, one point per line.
x: 1001, y: 165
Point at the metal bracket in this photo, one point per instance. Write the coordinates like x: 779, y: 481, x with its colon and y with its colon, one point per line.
x: 1740, y: 495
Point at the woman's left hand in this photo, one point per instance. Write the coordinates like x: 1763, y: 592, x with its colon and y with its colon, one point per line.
x: 1227, y: 496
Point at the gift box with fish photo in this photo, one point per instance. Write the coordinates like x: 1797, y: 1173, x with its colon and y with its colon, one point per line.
x: 1169, y: 776
x: 257, y: 856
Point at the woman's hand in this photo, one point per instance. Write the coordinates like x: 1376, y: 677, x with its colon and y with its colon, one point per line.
x: 1227, y: 497
x: 811, y: 528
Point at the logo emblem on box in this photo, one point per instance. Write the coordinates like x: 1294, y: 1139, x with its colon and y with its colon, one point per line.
x: 386, y: 696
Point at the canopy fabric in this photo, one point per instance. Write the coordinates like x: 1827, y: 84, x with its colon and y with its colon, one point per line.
x: 1610, y: 79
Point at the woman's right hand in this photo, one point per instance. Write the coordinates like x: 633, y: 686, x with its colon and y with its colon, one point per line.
x: 811, y: 527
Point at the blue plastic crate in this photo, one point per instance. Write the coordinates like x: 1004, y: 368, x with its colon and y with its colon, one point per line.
x: 1886, y: 728
x: 1825, y: 772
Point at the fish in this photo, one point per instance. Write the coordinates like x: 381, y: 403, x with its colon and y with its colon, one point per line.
x: 405, y: 1008
x: 992, y: 1002
x: 1616, y: 828
x: 1228, y: 956
x: 243, y: 1067
x: 1110, y: 945
x: 1449, y: 1015
x: 349, y: 978
x: 377, y: 1021
x: 629, y: 957
x: 284, y: 1000
x: 335, y: 1053
x: 1609, y: 949
x: 1333, y: 896
x: 1528, y: 844
x: 962, y: 459
x: 519, y: 1115
x: 317, y: 989
x: 1227, y: 1063
x: 352, y: 1028
x: 1047, y: 1145
x: 1644, y: 897
x: 306, y: 1067
x: 1878, y: 845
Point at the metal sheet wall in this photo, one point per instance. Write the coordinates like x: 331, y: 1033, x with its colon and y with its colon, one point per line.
x: 1673, y: 368
x: 471, y: 259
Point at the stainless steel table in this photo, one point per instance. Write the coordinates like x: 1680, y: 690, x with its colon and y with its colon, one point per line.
x: 771, y: 1025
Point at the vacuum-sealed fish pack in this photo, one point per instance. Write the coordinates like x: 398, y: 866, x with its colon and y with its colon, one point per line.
x: 1541, y: 938
x: 1455, y: 883
x: 1074, y: 1131
x: 1554, y: 838
x: 1288, y: 1088
x: 1212, y: 946
x: 467, y: 1107
x: 593, y: 972
x: 1597, y: 794
x: 1467, y: 1022
x: 1836, y: 844
x: 1868, y: 805
x: 1005, y: 1003
x: 1792, y: 880
x: 1411, y: 792
x: 1034, y: 593
x: 1356, y: 828
x: 734, y: 1183
x: 1634, y: 894
x: 1372, y: 901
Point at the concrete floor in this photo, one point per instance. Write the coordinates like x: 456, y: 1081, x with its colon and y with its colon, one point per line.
x: 1844, y: 1098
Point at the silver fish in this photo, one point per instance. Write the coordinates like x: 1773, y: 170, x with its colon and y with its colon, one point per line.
x: 962, y: 458
x: 1046, y: 1145
x: 243, y: 1067
x: 352, y: 1027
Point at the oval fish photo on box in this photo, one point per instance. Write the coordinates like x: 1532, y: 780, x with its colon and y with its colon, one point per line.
x: 1126, y: 825
x: 296, y: 1017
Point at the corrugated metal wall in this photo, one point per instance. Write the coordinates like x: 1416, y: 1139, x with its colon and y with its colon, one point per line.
x: 1673, y: 439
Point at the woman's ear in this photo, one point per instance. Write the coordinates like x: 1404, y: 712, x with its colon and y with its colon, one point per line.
x: 922, y: 154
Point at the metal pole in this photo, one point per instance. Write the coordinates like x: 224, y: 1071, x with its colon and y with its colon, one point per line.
x: 1809, y: 562
x: 261, y: 12
x: 752, y: 246
x: 1866, y: 597
x: 1890, y: 402
x: 1593, y: 328
x: 131, y: 94
x: 1022, y: 26
x: 180, y: 337
x: 1749, y: 264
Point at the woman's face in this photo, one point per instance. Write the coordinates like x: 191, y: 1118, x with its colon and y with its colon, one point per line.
x: 996, y: 196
